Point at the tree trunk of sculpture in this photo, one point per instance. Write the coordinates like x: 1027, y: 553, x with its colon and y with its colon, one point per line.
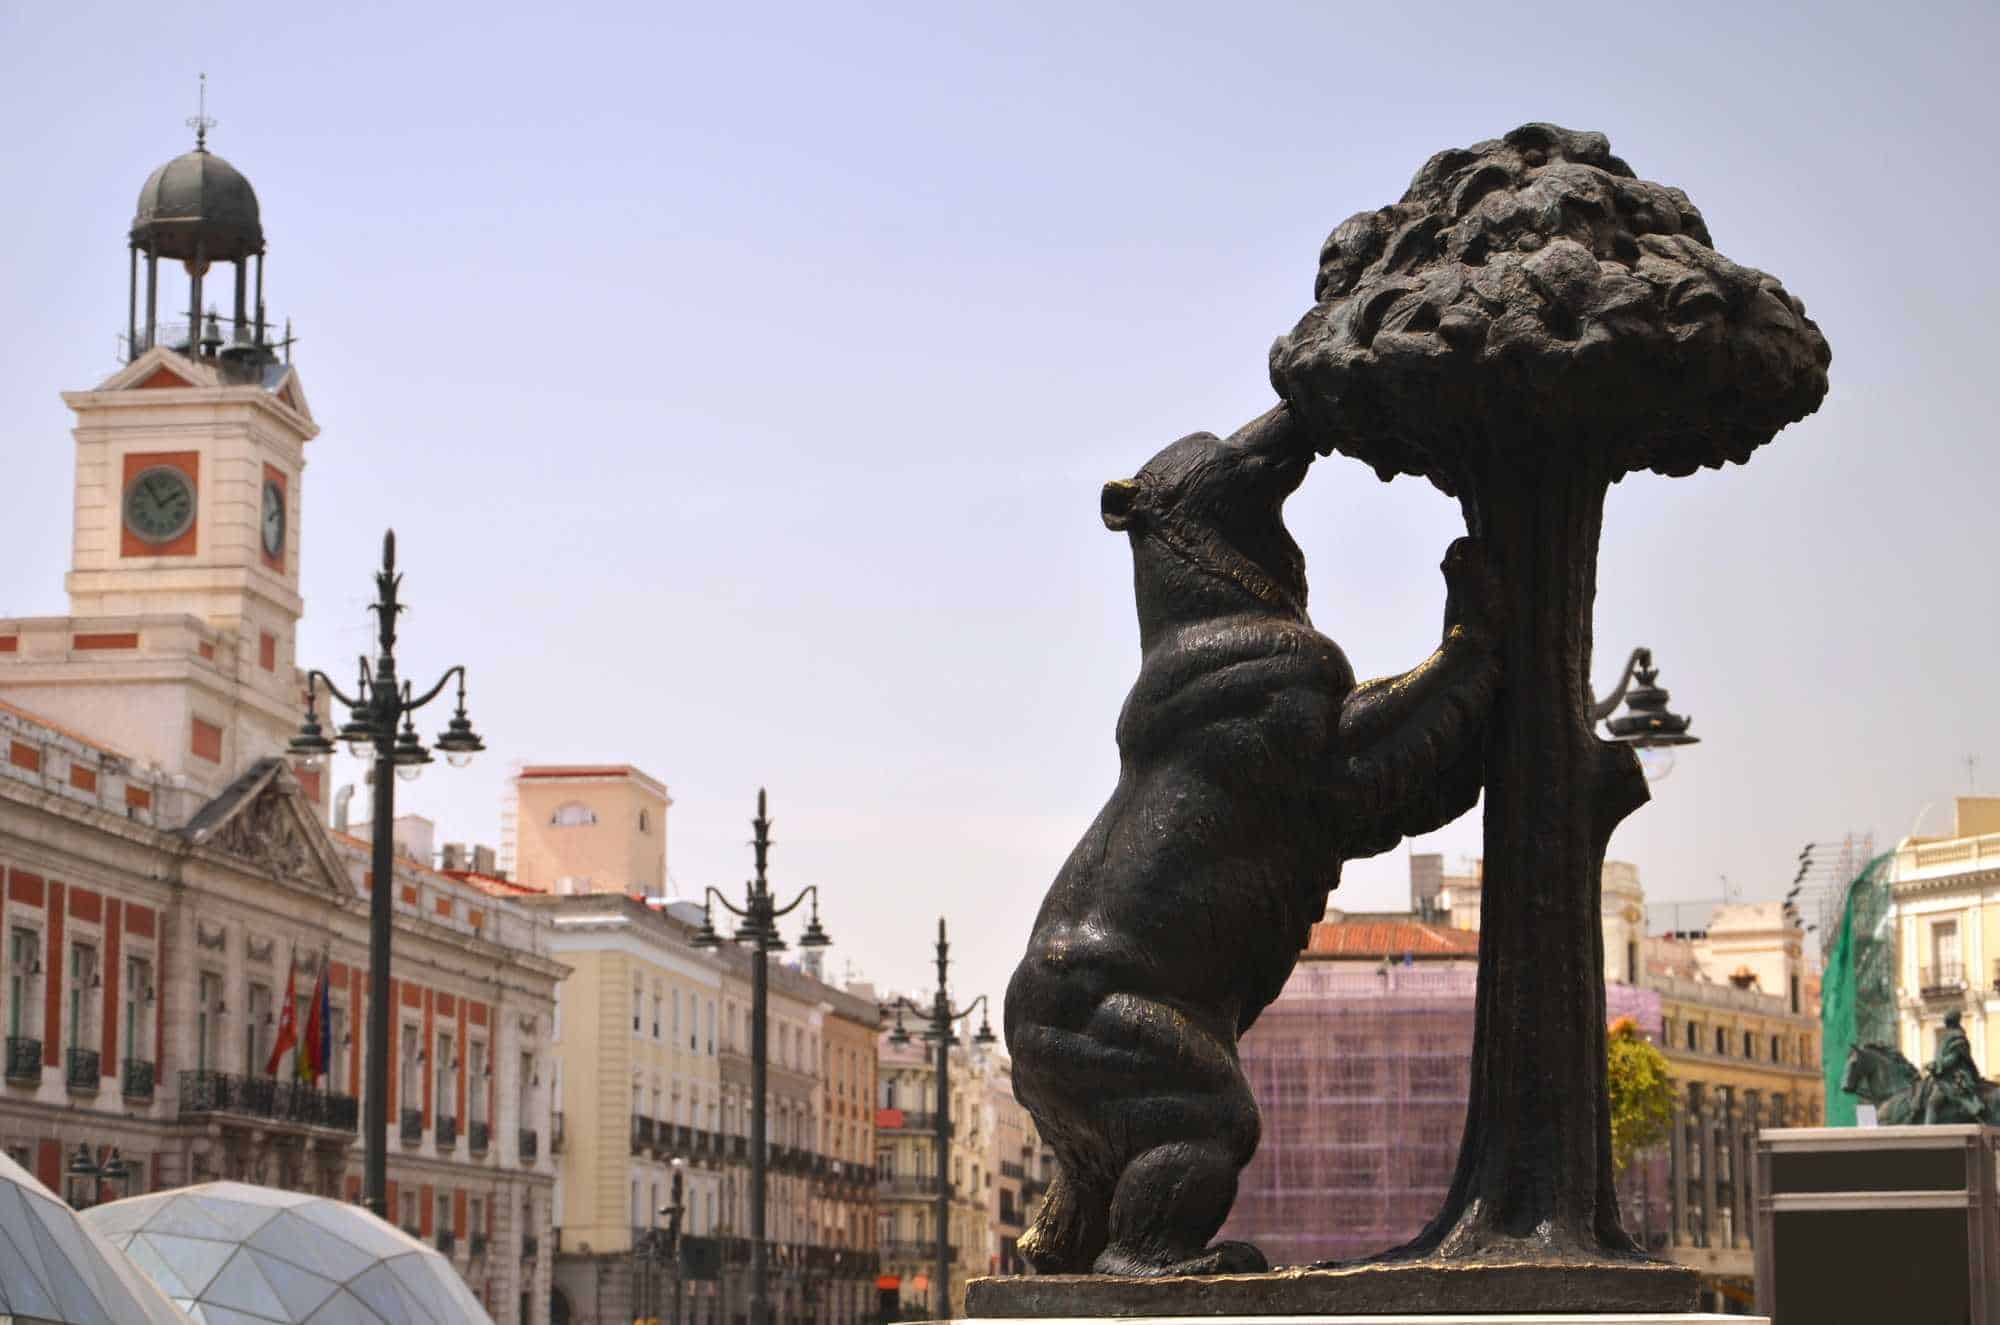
x: 1534, y: 1176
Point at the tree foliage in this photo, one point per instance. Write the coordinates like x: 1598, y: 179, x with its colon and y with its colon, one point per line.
x: 1642, y: 1092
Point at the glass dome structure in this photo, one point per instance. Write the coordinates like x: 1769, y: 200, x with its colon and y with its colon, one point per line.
x: 54, y: 1269
x: 228, y: 1253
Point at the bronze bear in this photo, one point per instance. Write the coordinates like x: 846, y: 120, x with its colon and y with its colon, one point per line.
x: 1251, y: 766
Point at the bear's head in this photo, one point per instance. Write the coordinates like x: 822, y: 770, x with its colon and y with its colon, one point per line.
x: 1210, y: 510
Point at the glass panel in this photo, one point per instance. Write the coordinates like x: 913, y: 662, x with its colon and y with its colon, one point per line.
x: 194, y: 1260
x: 242, y: 1285
x: 301, y: 1290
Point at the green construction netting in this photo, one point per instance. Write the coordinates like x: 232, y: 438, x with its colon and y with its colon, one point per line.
x: 1858, y: 993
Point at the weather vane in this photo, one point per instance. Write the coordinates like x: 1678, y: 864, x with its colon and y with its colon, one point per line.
x: 201, y: 122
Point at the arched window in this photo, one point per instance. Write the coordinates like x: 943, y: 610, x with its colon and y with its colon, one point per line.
x: 573, y: 815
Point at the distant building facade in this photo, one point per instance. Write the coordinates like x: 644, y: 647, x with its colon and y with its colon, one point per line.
x: 1945, y: 915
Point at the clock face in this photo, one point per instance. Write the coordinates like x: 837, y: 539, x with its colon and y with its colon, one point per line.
x: 159, y: 505
x: 274, y: 519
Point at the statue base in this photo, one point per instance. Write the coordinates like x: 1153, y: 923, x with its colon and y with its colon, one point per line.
x: 1433, y: 1291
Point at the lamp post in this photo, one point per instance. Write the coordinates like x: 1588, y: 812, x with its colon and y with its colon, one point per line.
x: 98, y: 1169
x: 1647, y: 725
x: 673, y: 1210
x: 379, y: 725
x: 942, y: 1014
x: 759, y: 932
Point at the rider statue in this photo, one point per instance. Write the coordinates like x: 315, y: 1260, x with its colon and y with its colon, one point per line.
x: 1955, y: 1094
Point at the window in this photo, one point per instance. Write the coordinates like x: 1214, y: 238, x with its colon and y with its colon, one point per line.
x: 677, y: 1019
x: 412, y: 1083
x: 336, y: 1034
x: 638, y: 1006
x: 657, y: 1001
x: 138, y: 993
x: 573, y: 815
x: 645, y: 822
x: 444, y: 1214
x: 23, y: 945
x: 1691, y: 1035
x: 1749, y: 1045
x: 409, y: 1210
x: 1721, y: 1041
x: 1777, y: 1049
x: 711, y: 1027
x: 208, y: 1011
x: 477, y: 1093
x: 444, y: 1096
x: 82, y: 979
x: 1945, y: 965
x: 255, y: 1029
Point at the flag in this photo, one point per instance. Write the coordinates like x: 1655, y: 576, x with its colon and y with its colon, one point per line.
x: 288, y: 1024
x: 317, y: 1051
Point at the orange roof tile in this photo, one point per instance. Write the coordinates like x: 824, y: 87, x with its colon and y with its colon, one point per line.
x: 61, y: 730
x: 1389, y: 938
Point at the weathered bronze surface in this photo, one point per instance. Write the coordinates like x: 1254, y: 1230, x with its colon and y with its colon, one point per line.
x: 1367, y: 1290
x: 1949, y: 1090
x: 1251, y: 765
x: 1528, y: 324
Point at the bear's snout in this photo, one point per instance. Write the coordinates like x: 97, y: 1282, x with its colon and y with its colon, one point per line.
x: 1117, y: 501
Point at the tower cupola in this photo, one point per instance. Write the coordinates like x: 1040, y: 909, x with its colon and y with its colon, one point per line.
x: 198, y: 210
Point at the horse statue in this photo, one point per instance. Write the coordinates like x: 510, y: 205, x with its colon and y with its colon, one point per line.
x: 1879, y: 1075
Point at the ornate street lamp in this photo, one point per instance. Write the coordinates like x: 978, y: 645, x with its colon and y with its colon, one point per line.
x: 88, y: 1165
x: 1646, y: 725
x: 759, y: 932
x: 938, y: 1031
x: 379, y: 725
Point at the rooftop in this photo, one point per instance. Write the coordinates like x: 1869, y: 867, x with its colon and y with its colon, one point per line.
x: 1375, y: 939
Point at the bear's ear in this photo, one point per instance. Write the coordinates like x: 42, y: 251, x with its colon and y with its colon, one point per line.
x: 1118, y: 503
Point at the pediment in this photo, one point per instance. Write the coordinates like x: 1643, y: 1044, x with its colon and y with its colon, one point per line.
x: 264, y: 821
x: 160, y: 367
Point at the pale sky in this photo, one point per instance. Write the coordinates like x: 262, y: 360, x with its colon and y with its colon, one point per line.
x: 740, y: 381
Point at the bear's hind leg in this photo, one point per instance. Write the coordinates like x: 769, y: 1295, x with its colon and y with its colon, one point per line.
x: 1071, y: 1228
x: 1169, y: 1203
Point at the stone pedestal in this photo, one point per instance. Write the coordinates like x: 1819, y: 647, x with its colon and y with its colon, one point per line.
x: 1624, y: 1318
x: 1380, y: 1292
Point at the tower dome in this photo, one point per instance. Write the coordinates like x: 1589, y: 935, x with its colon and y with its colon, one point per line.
x: 198, y: 206
x: 199, y: 211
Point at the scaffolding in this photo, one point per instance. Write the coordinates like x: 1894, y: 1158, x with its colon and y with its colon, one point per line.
x: 1361, y: 1075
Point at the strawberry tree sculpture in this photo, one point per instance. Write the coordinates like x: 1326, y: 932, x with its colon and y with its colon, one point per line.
x: 1527, y: 325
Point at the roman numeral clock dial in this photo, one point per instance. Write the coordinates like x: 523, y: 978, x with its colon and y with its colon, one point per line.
x: 159, y: 504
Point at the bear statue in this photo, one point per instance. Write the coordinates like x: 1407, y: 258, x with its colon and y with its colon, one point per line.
x: 1251, y: 766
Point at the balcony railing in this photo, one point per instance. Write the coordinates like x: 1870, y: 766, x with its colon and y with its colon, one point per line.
x: 82, y: 1072
x: 915, y: 1251
x: 912, y: 1122
x: 1942, y: 979
x: 267, y: 1098
x: 530, y: 1144
x: 642, y: 1133
x: 904, y: 1185
x: 556, y: 1132
x: 135, y: 1078
x: 477, y: 1246
x: 531, y: 1246
x: 24, y: 1060
x: 447, y: 1132
x: 412, y: 1126
x: 447, y: 1241
x: 414, y: 1231
x: 478, y: 1137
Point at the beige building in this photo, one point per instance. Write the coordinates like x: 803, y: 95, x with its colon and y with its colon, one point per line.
x: 636, y: 1088
x: 906, y: 1127
x: 654, y: 1074
x: 1945, y: 913
x: 586, y: 829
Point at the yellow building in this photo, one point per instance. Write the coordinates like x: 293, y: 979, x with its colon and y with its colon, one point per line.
x: 1947, y: 926
x: 636, y: 1088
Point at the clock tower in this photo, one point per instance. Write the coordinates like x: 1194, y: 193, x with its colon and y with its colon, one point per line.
x: 184, y: 577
